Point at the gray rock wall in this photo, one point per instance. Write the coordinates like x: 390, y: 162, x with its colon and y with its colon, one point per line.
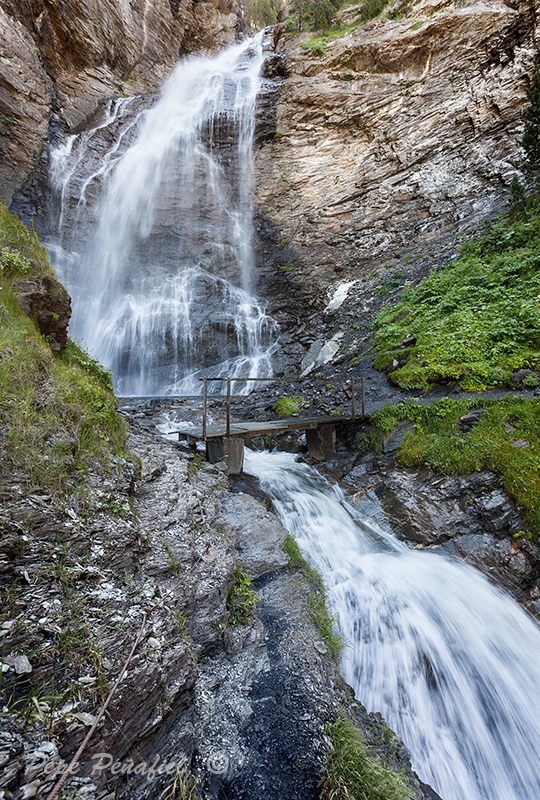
x: 399, y: 136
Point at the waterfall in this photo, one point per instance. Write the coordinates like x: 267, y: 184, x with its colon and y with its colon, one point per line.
x: 450, y: 660
x: 153, y: 229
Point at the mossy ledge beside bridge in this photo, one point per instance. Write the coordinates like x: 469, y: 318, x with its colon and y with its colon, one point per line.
x: 225, y: 442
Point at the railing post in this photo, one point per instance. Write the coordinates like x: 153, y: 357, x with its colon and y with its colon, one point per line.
x: 352, y: 398
x: 228, y: 423
x: 363, y: 400
x: 204, y: 391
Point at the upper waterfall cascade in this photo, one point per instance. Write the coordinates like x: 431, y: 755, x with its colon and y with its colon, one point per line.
x: 153, y: 227
x: 450, y: 661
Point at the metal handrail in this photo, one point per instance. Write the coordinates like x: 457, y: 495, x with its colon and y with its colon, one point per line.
x: 229, y: 380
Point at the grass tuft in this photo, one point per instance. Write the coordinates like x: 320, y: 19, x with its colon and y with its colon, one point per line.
x: 352, y: 774
x: 286, y: 406
x: 241, y: 599
x: 317, y: 600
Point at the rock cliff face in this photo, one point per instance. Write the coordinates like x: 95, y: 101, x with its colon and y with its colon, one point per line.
x: 396, y: 136
x: 65, y: 57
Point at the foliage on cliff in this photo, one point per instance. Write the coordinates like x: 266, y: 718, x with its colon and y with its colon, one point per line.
x: 57, y: 412
x: 531, y: 133
x: 476, y: 321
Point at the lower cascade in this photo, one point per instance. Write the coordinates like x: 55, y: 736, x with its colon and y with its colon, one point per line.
x: 448, y: 659
x: 151, y: 230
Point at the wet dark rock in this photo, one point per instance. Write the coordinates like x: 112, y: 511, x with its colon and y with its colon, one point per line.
x: 469, y: 516
x: 410, y: 341
x: 519, y: 375
x: 392, y: 440
x: 470, y: 419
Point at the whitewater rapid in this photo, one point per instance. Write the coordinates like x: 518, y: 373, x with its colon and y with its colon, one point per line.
x: 451, y: 662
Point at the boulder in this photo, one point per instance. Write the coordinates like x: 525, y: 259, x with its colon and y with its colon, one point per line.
x: 45, y: 300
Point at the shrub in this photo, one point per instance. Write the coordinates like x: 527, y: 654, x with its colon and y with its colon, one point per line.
x: 241, y: 599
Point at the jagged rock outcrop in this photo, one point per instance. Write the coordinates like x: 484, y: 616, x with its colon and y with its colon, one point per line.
x: 45, y: 300
x: 398, y: 136
x: 67, y: 56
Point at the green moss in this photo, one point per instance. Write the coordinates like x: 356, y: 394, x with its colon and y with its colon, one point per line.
x: 286, y: 406
x: 477, y: 320
x: 352, y: 773
x: 57, y: 412
x: 438, y: 442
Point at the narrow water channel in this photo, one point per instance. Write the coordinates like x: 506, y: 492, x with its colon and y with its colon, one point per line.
x: 451, y: 661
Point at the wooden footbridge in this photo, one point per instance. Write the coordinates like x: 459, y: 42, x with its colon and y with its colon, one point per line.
x: 225, y: 442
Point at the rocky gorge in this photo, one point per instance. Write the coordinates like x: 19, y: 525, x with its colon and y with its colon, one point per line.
x: 379, y: 144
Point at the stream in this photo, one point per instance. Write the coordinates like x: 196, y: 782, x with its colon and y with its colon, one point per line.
x: 450, y: 661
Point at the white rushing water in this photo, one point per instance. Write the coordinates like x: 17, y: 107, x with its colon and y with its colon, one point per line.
x: 154, y: 229
x: 451, y: 662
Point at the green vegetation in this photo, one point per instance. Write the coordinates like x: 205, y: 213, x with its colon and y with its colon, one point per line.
x: 352, y: 774
x: 477, y: 320
x: 286, y: 406
x: 260, y: 13
x: 15, y: 239
x: 183, y: 786
x: 314, y: 14
x: 400, y: 10
x: 195, y: 465
x: 57, y: 412
x: 387, y: 285
x: 531, y: 134
x: 241, y: 599
x: 317, y: 600
x: 439, y: 443
x: 371, y: 9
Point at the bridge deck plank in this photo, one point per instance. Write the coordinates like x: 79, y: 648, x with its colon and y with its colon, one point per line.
x: 246, y: 429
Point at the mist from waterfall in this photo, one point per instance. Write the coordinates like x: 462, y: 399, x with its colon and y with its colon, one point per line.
x: 451, y: 662
x: 154, y: 230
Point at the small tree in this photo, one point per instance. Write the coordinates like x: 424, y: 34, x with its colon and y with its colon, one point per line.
x: 315, y: 14
x: 531, y: 135
x: 530, y: 143
x: 261, y: 13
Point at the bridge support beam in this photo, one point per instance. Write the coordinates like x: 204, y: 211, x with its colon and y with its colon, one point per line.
x: 229, y: 450
x: 321, y: 442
